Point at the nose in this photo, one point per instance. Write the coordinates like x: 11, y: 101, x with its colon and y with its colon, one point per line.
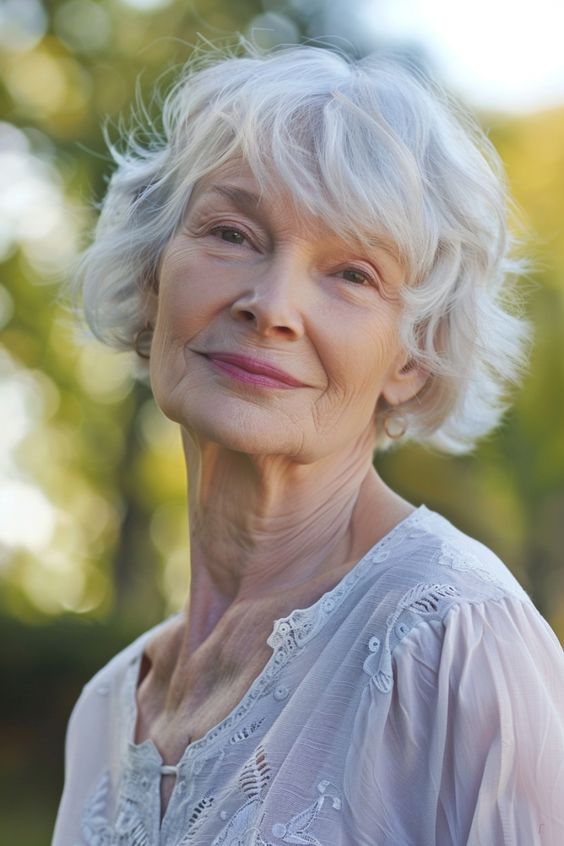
x: 273, y: 302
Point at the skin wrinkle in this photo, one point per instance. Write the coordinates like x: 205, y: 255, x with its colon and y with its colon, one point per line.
x: 293, y: 543
x: 253, y: 202
x: 283, y: 499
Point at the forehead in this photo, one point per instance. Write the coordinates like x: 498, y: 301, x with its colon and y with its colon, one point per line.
x: 236, y: 184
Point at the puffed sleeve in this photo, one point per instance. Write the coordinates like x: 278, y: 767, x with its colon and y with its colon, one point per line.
x: 468, y: 745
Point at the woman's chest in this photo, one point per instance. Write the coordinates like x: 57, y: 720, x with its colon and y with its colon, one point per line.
x: 211, y: 690
x: 241, y: 788
x: 235, y: 790
x: 181, y: 695
x: 272, y: 761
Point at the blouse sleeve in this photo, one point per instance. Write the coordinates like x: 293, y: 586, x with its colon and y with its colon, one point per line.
x: 468, y: 746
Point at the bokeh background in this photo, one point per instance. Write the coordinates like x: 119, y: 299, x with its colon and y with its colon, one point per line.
x: 93, y: 530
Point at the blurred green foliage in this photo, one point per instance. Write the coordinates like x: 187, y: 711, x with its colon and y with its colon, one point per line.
x: 93, y: 528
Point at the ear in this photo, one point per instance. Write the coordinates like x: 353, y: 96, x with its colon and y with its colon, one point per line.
x: 404, y: 380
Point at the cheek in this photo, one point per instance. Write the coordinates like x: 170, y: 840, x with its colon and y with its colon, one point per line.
x: 187, y: 294
x: 358, y: 358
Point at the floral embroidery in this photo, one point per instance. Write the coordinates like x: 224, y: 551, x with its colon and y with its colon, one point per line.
x: 198, y: 816
x: 257, y: 813
x: 129, y: 827
x: 255, y: 775
x: 253, y: 781
x: 292, y: 632
x: 464, y: 562
x: 423, y: 599
x: 136, y: 815
x: 242, y: 829
x: 296, y: 830
x: 460, y: 558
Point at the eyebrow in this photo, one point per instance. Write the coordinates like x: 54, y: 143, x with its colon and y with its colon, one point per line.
x: 247, y: 202
x: 244, y: 200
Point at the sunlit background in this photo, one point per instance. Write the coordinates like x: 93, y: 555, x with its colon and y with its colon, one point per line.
x: 93, y: 532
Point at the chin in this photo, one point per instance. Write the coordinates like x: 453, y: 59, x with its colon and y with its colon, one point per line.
x: 248, y: 430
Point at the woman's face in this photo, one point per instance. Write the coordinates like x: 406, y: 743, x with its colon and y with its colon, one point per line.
x: 261, y: 280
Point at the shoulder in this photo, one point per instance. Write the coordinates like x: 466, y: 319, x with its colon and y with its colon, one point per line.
x: 107, y: 681
x: 435, y: 548
x: 92, y: 743
x: 429, y: 556
x: 434, y: 577
x: 462, y: 705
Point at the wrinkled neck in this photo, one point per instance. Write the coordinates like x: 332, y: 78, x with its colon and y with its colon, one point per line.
x: 265, y: 523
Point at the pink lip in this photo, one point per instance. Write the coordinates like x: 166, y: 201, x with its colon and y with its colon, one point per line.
x: 253, y: 370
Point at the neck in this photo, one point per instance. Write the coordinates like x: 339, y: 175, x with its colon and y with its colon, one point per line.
x: 264, y: 524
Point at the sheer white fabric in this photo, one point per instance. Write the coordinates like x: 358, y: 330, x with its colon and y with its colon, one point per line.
x: 419, y: 702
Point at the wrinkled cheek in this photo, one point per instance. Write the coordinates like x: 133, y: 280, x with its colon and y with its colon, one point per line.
x: 167, y: 365
x: 182, y: 317
x: 187, y: 292
x: 176, y: 315
x: 338, y: 404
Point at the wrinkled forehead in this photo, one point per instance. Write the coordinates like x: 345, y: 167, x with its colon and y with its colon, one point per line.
x: 236, y: 183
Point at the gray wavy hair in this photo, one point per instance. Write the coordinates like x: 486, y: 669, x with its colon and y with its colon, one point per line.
x: 371, y: 147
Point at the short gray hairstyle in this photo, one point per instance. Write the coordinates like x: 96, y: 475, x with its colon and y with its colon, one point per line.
x: 375, y: 149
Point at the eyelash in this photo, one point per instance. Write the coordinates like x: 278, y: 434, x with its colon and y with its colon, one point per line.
x: 229, y: 229
x: 368, y: 279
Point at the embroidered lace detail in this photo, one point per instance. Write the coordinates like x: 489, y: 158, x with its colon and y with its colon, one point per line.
x: 465, y: 561
x: 198, y: 816
x: 245, y: 732
x: 129, y: 828
x: 243, y: 829
x: 253, y: 782
x: 422, y: 600
x: 256, y: 774
x: 94, y: 825
x: 296, y: 830
x: 292, y: 632
x: 288, y: 637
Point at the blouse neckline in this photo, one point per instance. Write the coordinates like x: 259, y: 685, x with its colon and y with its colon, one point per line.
x: 288, y: 637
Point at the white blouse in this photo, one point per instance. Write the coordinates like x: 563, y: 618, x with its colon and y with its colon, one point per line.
x: 418, y: 702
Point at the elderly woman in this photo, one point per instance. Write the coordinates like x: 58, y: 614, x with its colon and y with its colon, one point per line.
x: 313, y: 259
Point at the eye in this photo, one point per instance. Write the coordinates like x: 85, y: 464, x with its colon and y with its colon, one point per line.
x: 358, y: 277
x: 229, y: 234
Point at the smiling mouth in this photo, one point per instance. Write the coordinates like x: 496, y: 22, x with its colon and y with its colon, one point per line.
x: 260, y: 375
